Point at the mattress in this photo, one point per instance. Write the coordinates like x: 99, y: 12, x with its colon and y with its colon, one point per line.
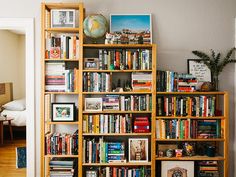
x: 19, y: 117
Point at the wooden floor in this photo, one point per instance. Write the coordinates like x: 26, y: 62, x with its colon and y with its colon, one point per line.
x: 8, y: 159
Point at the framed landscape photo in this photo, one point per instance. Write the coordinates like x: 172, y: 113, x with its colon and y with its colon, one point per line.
x: 132, y: 26
x: 63, y: 112
x: 91, y: 63
x: 138, y: 149
x: 63, y: 18
x: 93, y: 104
x: 177, y: 168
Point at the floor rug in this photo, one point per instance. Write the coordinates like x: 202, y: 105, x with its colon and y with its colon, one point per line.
x: 21, y: 157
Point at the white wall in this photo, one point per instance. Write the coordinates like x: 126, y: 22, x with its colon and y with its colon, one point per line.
x: 12, y: 68
x: 179, y: 26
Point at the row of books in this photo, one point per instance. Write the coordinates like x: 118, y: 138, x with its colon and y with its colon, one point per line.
x: 103, y: 152
x: 60, y: 167
x: 208, y: 169
x: 188, y: 129
x: 96, y: 82
x: 170, y: 81
x: 60, y: 79
x: 107, y: 123
x: 62, y: 46
x: 138, y: 59
x: 61, y: 143
x: 141, y: 81
x: 186, y: 105
x: 119, y: 172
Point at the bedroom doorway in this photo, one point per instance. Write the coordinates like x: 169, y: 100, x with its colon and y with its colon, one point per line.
x: 22, y: 84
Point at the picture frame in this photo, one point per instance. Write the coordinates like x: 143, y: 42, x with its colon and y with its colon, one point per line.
x: 177, y: 168
x: 63, y: 18
x: 91, y: 63
x: 93, y: 104
x: 63, y: 112
x: 138, y: 149
x: 200, y: 71
x: 132, y: 26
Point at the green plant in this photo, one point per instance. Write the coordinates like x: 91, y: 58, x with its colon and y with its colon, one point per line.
x: 214, y: 62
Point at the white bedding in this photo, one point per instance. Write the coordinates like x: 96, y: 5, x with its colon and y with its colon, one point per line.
x: 19, y: 117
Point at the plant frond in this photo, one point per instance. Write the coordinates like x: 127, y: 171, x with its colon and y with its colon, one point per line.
x: 201, y: 55
x: 230, y: 52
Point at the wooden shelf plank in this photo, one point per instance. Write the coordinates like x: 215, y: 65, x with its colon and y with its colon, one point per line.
x: 216, y: 139
x: 118, y: 71
x: 62, y: 123
x: 191, y: 158
x: 117, y: 134
x: 117, y: 45
x: 115, y: 93
x: 63, y: 93
x: 190, y: 93
x: 119, y: 164
x: 187, y: 117
x: 116, y: 112
x: 62, y: 5
x: 64, y: 156
x: 64, y: 30
x: 60, y: 59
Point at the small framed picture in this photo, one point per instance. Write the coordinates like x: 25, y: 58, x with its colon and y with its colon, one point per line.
x: 93, y: 104
x: 62, y: 18
x: 177, y: 168
x: 132, y: 26
x: 91, y: 63
x: 63, y: 112
x: 138, y: 150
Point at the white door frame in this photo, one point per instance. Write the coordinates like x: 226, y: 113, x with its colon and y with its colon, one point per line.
x: 27, y: 24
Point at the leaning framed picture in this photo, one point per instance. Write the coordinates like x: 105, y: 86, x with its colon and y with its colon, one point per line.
x: 63, y: 112
x: 91, y: 63
x: 132, y: 26
x: 200, y: 71
x: 93, y: 104
x: 177, y: 168
x: 63, y: 18
x: 138, y: 149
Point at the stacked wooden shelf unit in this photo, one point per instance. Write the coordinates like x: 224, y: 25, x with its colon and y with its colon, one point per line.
x: 81, y: 92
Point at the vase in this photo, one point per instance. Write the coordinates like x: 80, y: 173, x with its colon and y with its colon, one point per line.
x: 215, y: 82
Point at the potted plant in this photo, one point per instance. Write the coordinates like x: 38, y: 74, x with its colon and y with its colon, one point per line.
x: 215, y: 63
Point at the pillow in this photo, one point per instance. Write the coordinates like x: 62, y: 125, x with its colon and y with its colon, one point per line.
x: 16, y: 105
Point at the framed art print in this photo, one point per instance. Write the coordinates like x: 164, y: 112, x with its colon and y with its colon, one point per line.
x: 138, y: 150
x: 177, y: 168
x: 63, y: 18
x: 93, y: 104
x: 133, y: 26
x: 63, y: 112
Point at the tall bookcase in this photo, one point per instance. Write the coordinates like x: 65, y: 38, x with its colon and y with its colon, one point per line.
x: 79, y: 94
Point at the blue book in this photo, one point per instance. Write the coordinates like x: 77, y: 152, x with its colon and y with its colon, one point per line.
x: 21, y: 157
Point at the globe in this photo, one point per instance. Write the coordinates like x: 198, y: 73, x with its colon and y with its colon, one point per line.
x: 95, y: 26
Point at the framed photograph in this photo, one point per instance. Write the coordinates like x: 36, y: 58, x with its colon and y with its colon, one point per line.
x: 91, y: 63
x: 63, y: 112
x: 93, y: 104
x: 138, y: 150
x: 177, y: 168
x: 132, y: 26
x: 63, y: 18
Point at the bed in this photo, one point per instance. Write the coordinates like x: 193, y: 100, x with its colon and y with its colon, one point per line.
x: 12, y: 108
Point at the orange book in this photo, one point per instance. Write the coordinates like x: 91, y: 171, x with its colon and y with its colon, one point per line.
x: 129, y: 59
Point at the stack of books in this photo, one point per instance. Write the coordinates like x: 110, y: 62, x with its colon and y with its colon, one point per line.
x: 62, y: 46
x: 141, y: 81
x: 63, y: 167
x: 111, y: 102
x: 103, y: 152
x: 187, y: 83
x: 208, y: 169
x: 58, y: 79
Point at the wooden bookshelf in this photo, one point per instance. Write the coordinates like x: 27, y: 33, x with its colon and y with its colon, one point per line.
x: 46, y: 32
x: 126, y: 164
x: 117, y: 134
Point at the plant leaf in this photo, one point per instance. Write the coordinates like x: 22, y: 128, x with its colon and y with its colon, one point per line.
x: 201, y: 55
